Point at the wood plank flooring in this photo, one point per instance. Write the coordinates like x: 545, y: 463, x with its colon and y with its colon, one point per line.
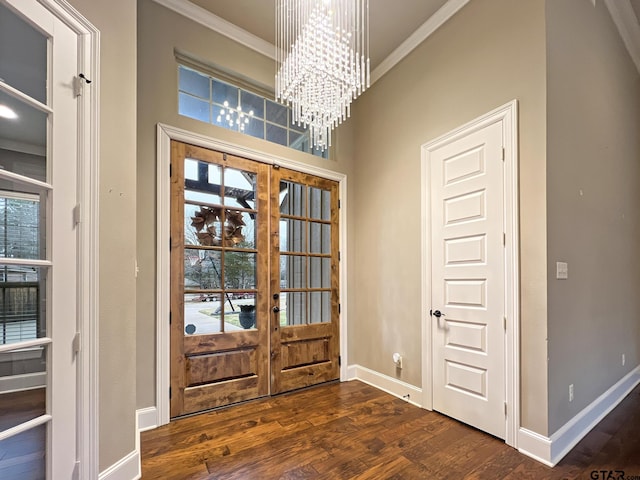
x: 354, y: 431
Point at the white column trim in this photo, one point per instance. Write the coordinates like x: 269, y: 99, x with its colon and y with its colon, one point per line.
x: 88, y: 195
x: 165, y: 134
x: 507, y: 116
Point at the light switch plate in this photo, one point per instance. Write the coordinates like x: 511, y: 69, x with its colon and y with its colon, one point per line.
x: 562, y: 270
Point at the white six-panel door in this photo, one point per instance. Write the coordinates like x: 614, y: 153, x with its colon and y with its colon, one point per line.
x: 468, y: 279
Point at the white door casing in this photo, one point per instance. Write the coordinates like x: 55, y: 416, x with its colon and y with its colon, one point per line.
x: 470, y: 359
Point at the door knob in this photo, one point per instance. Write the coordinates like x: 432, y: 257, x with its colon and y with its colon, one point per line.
x: 276, y: 309
x: 437, y: 313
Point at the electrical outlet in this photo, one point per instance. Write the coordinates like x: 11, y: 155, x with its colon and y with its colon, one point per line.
x: 571, y: 392
x: 624, y: 360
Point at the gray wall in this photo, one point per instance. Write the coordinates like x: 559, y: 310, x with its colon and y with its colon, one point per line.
x: 593, y: 195
x: 116, y: 21
x: 160, y: 32
x: 489, y: 53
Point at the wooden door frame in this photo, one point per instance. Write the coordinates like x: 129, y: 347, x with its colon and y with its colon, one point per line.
x: 164, y: 135
x: 507, y: 116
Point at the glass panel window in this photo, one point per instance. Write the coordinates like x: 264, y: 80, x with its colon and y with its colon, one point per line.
x: 277, y: 113
x: 319, y: 272
x: 202, y: 269
x: 239, y: 270
x: 23, y: 124
x: 319, y: 237
x: 319, y: 307
x: 194, y: 83
x: 24, y: 455
x: 19, y: 406
x: 205, y: 98
x: 294, y: 306
x: 293, y: 271
x: 276, y: 134
x: 223, y: 92
x: 193, y: 107
x: 24, y: 68
x: 251, y: 104
x: 23, y: 295
x: 202, y: 313
x: 21, y: 216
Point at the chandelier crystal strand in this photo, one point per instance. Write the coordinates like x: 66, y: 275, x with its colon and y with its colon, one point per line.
x: 322, y: 53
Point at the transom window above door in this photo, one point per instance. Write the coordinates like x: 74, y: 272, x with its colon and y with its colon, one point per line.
x: 211, y: 100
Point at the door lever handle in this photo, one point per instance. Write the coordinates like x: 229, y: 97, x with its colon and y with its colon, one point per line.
x: 276, y: 309
x: 436, y: 313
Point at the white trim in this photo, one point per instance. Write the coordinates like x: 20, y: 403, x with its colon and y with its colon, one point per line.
x: 165, y: 134
x: 534, y: 445
x: 423, y: 32
x: 88, y: 248
x: 628, y: 25
x: 551, y: 450
x: 243, y: 37
x: 507, y: 116
x: 127, y: 468
x: 37, y: 342
x: 147, y: 418
x: 213, y: 22
x: 388, y: 384
x: 565, y: 438
x: 20, y: 383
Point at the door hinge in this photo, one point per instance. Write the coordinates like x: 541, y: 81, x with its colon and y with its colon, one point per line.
x: 170, y: 170
x: 339, y: 360
x: 169, y: 318
x: 170, y: 242
x: 224, y: 157
x: 76, y: 343
x: 76, y: 215
x: 339, y: 308
x: 339, y: 256
x: 169, y: 393
x: 504, y: 239
x: 339, y: 204
x: 505, y: 409
x: 504, y: 322
x: 503, y: 154
x: 75, y: 474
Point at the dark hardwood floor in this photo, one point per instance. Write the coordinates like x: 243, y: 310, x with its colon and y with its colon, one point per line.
x: 354, y: 431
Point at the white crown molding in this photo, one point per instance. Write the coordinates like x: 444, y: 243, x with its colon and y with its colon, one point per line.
x: 237, y: 34
x: 220, y: 25
x: 434, y: 22
x: 628, y: 25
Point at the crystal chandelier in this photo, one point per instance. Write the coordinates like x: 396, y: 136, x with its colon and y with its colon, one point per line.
x: 323, y: 61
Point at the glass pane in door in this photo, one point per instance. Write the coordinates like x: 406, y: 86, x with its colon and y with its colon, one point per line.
x: 23, y: 68
x: 23, y: 456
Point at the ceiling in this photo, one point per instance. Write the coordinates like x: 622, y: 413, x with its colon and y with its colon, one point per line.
x: 389, y: 24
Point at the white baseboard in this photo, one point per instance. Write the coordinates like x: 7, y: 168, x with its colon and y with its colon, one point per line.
x: 534, y: 445
x: 551, y: 450
x: 147, y: 418
x: 127, y: 468
x: 27, y: 381
x: 391, y: 385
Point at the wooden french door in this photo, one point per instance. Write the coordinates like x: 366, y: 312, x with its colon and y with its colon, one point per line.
x: 304, y: 280
x: 254, y: 284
